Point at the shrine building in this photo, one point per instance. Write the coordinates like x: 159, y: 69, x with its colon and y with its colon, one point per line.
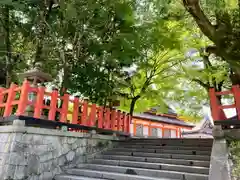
x: 151, y: 124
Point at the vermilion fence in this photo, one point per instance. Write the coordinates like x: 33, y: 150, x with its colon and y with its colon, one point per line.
x: 217, y: 108
x: 17, y: 99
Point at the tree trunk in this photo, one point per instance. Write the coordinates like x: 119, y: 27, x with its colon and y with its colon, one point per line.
x: 6, y: 21
x: 44, y: 15
x: 226, y: 45
x: 132, y: 105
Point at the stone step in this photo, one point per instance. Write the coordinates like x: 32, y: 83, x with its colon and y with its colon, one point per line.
x: 188, y: 162
x: 142, y: 172
x: 168, y: 151
x: 158, y: 155
x: 71, y: 177
x: 191, y: 144
x: 110, y: 175
x: 158, y: 166
x: 167, y: 147
x: 171, y: 141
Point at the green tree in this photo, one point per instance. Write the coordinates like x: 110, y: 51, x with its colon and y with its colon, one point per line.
x: 106, y: 42
x: 151, y: 79
x: 219, y: 21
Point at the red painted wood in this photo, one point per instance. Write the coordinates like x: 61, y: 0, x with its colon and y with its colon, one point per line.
x: 163, y: 131
x: 236, y: 93
x: 177, y: 133
x: 223, y: 93
x: 215, y: 110
x: 100, y: 117
x: 124, y: 121
x: 64, y: 110
x: 10, y: 99
x: 75, y: 110
x: 127, y: 130
x: 149, y: 130
x: 39, y: 102
x: 119, y: 116
x: 2, y: 94
x: 23, y: 101
x: 92, y: 118
x: 113, y: 119
x: 227, y: 106
x: 53, y: 105
x: 84, y: 113
x: 107, y: 118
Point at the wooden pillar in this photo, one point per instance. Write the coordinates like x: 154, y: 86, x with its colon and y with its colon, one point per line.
x: 113, y: 119
x: 100, y: 117
x: 163, y: 132
x: 215, y: 110
x: 10, y: 99
x: 134, y: 128
x: 84, y: 116
x: 177, y: 133
x: 23, y: 101
x: 92, y: 116
x: 75, y: 110
x: 39, y: 102
x: 53, y: 105
x: 236, y: 94
x: 64, y: 110
x: 149, y: 129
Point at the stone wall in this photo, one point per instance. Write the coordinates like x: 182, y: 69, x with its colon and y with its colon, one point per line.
x: 29, y: 153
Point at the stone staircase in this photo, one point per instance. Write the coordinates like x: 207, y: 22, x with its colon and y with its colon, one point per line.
x: 148, y: 159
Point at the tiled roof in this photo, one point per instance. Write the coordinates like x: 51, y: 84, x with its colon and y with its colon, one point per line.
x: 166, y: 120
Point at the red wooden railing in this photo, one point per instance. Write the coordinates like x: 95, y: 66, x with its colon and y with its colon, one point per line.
x: 217, y: 108
x: 15, y: 100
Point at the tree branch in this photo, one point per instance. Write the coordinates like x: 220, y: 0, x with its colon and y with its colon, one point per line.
x: 169, y: 67
x: 205, y: 85
x: 193, y: 7
x: 124, y: 95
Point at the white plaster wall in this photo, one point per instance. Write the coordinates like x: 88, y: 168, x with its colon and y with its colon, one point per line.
x: 131, y: 129
x: 159, y: 132
x: 173, y: 133
x: 145, y: 131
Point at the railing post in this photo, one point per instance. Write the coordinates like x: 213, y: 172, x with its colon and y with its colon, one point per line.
x: 150, y: 129
x: 53, y: 105
x: 1, y: 94
x: 23, y: 101
x: 64, y: 110
x: 127, y: 125
x: 84, y: 113
x: 215, y: 110
x: 177, y: 132
x: 39, y: 102
x: 113, y: 119
x: 92, y: 116
x: 100, y: 117
x: 134, y: 128
x: 107, y: 118
x: 75, y: 110
x: 163, y: 133
x: 124, y: 117
x: 118, y: 119
x: 236, y: 94
x: 10, y: 99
